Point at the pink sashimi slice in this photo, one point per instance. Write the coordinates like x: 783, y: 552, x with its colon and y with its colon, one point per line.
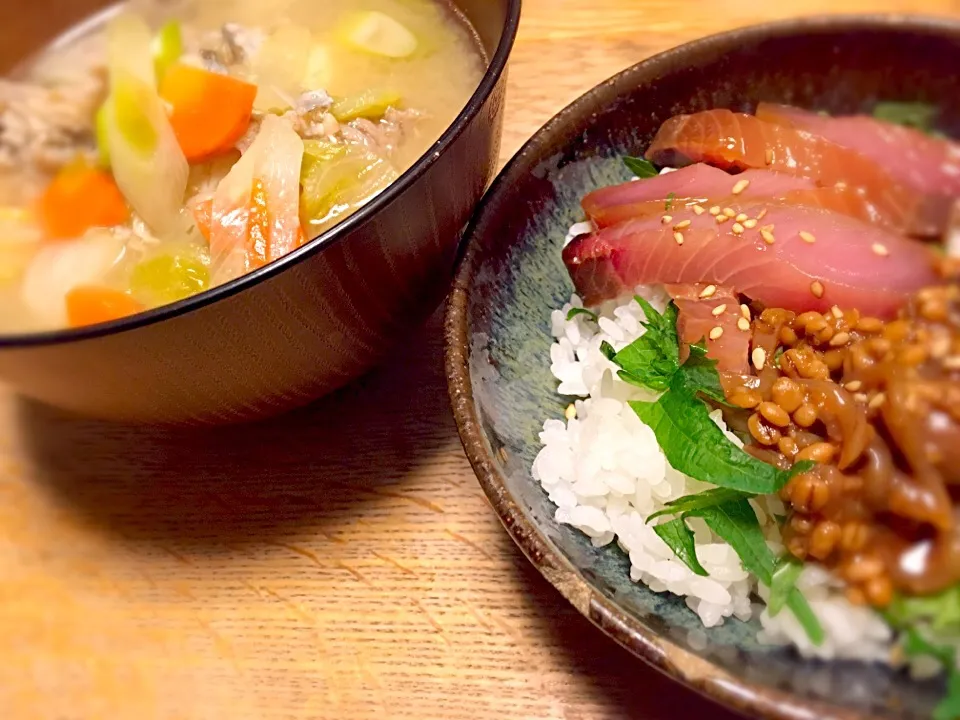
x: 930, y: 165
x: 817, y: 259
x: 694, y: 184
x: 701, y: 312
x: 739, y: 142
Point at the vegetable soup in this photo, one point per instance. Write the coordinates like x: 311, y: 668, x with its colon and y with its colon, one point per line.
x: 182, y: 144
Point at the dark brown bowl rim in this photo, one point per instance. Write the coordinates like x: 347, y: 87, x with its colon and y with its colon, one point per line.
x: 700, y: 675
x: 492, y: 75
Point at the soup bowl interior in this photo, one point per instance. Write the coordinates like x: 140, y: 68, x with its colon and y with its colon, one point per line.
x: 303, y: 325
x: 498, y: 330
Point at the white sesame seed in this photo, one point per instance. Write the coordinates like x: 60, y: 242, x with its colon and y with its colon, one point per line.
x: 715, y: 210
x: 721, y: 219
x: 708, y: 291
x: 678, y: 236
x: 807, y: 237
x: 759, y: 358
x: 740, y: 186
x: 880, y: 250
x: 877, y: 400
x: 860, y: 397
x: 742, y: 217
x: 841, y: 338
x: 682, y: 225
x: 716, y: 333
x: 698, y: 209
x: 743, y: 324
x: 767, y: 236
x: 666, y: 219
x: 571, y: 412
x: 836, y: 312
x: 745, y: 311
x: 729, y: 212
x: 750, y: 223
x: 719, y: 310
x: 737, y: 229
x: 816, y: 287
x: 762, y: 214
x: 853, y: 386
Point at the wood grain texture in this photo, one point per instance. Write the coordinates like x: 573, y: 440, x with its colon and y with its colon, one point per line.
x: 339, y: 562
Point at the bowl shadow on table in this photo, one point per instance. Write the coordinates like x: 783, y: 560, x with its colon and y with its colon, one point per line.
x: 614, y: 683
x: 217, y: 488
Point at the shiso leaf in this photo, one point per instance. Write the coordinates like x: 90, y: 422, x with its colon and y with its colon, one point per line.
x: 916, y: 115
x: 582, y: 311
x: 679, y: 538
x: 653, y: 359
x: 700, y: 375
x: 695, y: 446
x: 698, y: 501
x: 640, y: 167
x: 784, y: 581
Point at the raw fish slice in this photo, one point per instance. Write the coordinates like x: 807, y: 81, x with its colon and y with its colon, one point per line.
x: 705, y: 185
x: 737, y: 141
x: 696, y: 184
x: 924, y: 163
x: 849, y: 263
x: 700, y: 316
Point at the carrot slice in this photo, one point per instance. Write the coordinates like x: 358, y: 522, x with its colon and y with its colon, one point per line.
x: 79, y: 198
x: 210, y: 112
x: 203, y: 216
x: 89, y: 305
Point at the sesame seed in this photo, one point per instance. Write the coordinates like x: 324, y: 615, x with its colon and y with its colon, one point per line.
x: 721, y: 219
x: 880, y: 250
x: 715, y: 210
x: 743, y: 324
x: 740, y: 186
x: 698, y: 209
x: 836, y: 312
x: 678, y: 236
x: 877, y: 400
x: 666, y: 219
x: 708, y: 291
x: 853, y: 385
x: 841, y: 338
x: 767, y: 236
x: 860, y: 397
x: 571, y: 412
x: 729, y: 212
x: 737, y: 229
x: 952, y: 363
x: 745, y: 311
x: 816, y: 287
x: 807, y: 237
x: 716, y: 333
x: 759, y: 358
x: 682, y: 225
x: 742, y: 217
x: 502, y: 453
x: 769, y: 156
x: 750, y: 223
x: 762, y: 214
x: 719, y: 310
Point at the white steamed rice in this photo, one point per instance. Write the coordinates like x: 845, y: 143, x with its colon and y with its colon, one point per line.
x: 606, y: 474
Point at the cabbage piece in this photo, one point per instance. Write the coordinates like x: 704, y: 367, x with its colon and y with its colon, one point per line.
x: 334, y: 185
x: 61, y: 266
x: 170, y: 277
x: 281, y: 66
x: 371, y: 104
x: 20, y: 239
x: 147, y: 162
x: 378, y: 34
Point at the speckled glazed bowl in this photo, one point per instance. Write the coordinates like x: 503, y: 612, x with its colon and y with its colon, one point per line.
x: 498, y: 330
x: 299, y: 327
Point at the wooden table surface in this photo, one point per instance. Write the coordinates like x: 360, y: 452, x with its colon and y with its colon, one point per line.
x: 340, y: 562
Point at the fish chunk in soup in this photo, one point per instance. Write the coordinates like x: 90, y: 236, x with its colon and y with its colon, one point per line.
x: 182, y: 144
